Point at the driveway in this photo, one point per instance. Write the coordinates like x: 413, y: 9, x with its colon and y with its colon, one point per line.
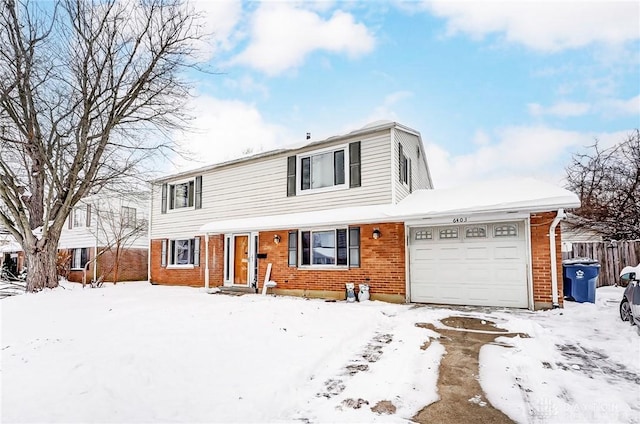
x: 140, y: 353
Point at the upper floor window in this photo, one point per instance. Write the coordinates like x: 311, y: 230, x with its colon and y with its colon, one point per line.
x: 80, y: 217
x: 182, y: 195
x: 322, y: 170
x: 338, y: 167
x: 128, y: 216
x: 404, y: 167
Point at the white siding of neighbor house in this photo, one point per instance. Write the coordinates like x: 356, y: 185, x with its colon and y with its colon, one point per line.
x: 259, y: 188
x: 419, y: 174
x: 79, y: 237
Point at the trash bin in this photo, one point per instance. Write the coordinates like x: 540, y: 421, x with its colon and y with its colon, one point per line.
x: 580, y: 278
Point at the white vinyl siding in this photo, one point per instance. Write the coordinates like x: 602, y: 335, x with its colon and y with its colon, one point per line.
x: 259, y: 188
x: 419, y: 178
x: 86, y: 236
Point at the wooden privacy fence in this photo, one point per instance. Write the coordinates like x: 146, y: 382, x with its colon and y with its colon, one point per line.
x: 612, y: 256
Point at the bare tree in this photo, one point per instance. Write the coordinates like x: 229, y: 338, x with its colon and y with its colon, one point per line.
x: 608, y: 183
x: 88, y: 90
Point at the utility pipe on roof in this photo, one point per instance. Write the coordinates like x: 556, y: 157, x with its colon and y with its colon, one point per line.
x: 552, y: 250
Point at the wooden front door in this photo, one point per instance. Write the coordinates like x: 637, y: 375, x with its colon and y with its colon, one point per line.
x: 241, y: 260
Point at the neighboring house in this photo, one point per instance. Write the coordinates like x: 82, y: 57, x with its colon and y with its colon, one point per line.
x: 358, y: 208
x: 11, y: 254
x: 572, y: 233
x: 115, y: 228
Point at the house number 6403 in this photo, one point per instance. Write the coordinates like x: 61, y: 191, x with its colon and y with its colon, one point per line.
x: 459, y: 220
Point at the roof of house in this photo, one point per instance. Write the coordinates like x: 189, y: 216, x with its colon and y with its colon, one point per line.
x: 513, y: 195
x: 367, y: 129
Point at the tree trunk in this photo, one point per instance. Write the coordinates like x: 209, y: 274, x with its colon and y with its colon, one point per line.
x: 41, y: 266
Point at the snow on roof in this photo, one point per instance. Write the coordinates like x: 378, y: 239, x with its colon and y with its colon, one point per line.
x: 514, y: 194
x: 519, y: 195
x: 12, y: 246
x: 360, y: 214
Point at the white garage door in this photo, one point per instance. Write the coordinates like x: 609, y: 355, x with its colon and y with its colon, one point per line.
x: 478, y: 264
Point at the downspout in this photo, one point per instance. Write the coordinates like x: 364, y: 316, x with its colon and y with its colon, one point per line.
x: 95, y: 251
x: 206, y: 261
x: 552, y: 250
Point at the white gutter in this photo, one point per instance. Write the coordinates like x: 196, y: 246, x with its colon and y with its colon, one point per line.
x: 206, y: 261
x: 552, y: 250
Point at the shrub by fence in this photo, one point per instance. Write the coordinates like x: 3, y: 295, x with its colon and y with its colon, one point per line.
x: 612, y: 256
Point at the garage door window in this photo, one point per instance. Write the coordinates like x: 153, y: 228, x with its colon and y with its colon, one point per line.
x: 505, y: 230
x: 448, y: 233
x: 424, y: 235
x: 475, y: 232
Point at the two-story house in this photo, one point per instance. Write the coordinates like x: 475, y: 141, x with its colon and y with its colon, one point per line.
x: 109, y: 233
x: 357, y: 208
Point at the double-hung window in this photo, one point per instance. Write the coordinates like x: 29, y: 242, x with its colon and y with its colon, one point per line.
x: 331, y: 247
x: 182, y: 195
x: 79, y: 258
x: 128, y: 216
x: 322, y: 170
x: 184, y: 252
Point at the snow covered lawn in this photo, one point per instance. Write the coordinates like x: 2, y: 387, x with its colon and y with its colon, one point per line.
x: 141, y: 353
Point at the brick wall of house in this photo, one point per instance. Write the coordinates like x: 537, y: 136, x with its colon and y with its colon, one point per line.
x: 541, y: 259
x: 382, y: 264
x: 189, y: 276
x: 132, y: 265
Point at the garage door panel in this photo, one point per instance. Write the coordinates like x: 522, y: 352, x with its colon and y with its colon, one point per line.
x: 480, y: 271
x: 477, y: 252
x: 507, y: 252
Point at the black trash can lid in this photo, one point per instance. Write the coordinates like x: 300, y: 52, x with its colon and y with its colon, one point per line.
x: 580, y: 261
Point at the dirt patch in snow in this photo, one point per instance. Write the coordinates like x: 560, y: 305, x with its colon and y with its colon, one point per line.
x: 384, y: 407
x: 461, y: 397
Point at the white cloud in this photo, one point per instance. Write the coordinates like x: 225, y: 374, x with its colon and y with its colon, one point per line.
x: 224, y: 130
x: 608, y: 107
x: 283, y: 34
x: 539, y: 152
x: 621, y: 107
x: 219, y: 23
x: 545, y: 25
x: 561, y: 109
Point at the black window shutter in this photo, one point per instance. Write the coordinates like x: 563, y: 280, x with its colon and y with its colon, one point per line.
x: 199, y: 192
x: 83, y: 257
x: 163, y: 208
x: 409, y: 172
x: 341, y: 243
x: 293, y: 248
x: 305, y: 173
x: 291, y: 176
x: 163, y: 254
x: 400, y: 162
x: 354, y: 164
x: 88, y: 223
x: 196, y: 252
x: 354, y: 247
x: 70, y: 222
x: 338, y: 167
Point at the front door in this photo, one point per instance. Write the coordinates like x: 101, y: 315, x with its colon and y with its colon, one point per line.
x: 241, y: 260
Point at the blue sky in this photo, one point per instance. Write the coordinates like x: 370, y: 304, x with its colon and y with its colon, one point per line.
x: 496, y: 89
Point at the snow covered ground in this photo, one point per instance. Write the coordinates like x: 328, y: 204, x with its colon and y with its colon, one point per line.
x: 141, y: 353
